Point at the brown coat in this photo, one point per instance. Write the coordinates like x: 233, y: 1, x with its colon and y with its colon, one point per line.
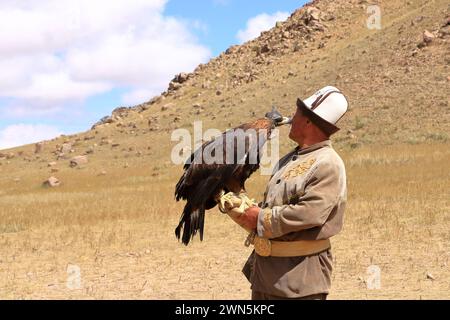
x: 304, y: 200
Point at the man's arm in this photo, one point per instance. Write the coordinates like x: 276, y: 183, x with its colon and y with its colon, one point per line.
x: 312, y: 209
x: 249, y: 220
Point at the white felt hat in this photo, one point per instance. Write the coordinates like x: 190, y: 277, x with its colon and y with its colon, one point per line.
x: 328, y: 104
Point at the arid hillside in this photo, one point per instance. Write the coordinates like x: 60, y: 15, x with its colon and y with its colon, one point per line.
x: 112, y: 211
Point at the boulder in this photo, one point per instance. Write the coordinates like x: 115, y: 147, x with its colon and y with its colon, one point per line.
x: 120, y: 111
x: 86, y: 138
x: 61, y: 155
x: 445, y: 31
x: 264, y: 48
x: 38, y: 147
x: 106, y: 141
x: 312, y: 13
x: 167, y: 107
x: 428, y: 37
x: 174, y: 86
x: 65, y: 148
x: 51, y: 182
x: 103, y: 121
x: 206, y: 85
x: 430, y: 276
x: 182, y: 77
x: 232, y: 49
x: 78, y: 160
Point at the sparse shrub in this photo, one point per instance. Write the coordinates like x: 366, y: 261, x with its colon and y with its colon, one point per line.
x: 441, y: 136
x: 359, y: 123
x: 413, y: 140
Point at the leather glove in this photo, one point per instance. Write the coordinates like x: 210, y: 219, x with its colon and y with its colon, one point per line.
x: 235, y: 205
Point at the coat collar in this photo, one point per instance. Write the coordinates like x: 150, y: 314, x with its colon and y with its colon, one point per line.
x: 325, y: 143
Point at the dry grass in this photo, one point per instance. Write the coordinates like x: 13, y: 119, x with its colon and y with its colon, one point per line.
x: 118, y: 229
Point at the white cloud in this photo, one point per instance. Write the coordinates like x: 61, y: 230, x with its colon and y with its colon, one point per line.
x: 57, y: 87
x: 57, y: 52
x: 20, y: 134
x: 261, y: 22
x: 137, y: 96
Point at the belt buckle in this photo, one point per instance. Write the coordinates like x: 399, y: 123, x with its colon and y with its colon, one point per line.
x: 263, y: 246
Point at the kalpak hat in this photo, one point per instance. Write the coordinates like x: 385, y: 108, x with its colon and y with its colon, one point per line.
x: 325, y: 108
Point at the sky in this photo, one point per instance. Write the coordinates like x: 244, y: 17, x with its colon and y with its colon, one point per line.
x: 64, y: 64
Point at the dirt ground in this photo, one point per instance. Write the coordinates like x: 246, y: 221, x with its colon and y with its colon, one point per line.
x: 121, y: 235
x: 160, y: 269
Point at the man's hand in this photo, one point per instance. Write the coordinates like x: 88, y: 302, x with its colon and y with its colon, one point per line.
x: 249, y: 220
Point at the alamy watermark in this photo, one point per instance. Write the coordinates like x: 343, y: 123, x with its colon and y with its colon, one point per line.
x: 374, y: 19
x: 373, y: 277
x: 73, y: 277
x: 235, y: 146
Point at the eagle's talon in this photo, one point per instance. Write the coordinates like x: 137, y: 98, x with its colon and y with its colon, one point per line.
x: 220, y: 199
x: 223, y: 201
x: 226, y: 201
x: 231, y: 201
x: 241, y: 208
x: 247, y: 201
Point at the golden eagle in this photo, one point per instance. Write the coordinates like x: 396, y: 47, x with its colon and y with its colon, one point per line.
x: 220, y: 166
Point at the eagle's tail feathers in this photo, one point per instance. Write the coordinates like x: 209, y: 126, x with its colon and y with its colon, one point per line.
x: 191, y: 221
x: 184, y: 222
x: 180, y: 188
x: 202, y: 221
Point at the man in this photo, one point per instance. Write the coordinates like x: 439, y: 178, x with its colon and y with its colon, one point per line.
x: 303, y: 207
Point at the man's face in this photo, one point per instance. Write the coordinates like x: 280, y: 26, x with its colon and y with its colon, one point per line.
x: 299, y: 127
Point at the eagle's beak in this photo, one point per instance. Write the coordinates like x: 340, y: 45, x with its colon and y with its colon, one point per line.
x: 284, y: 120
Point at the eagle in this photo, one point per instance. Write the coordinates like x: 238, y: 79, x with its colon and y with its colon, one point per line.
x: 220, y: 166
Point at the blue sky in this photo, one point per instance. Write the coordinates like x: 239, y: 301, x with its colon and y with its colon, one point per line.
x: 223, y: 18
x: 73, y: 62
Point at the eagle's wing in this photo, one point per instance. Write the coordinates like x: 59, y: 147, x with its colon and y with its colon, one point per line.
x: 199, y: 185
x: 225, y: 158
x: 255, y: 140
x: 218, y: 165
x: 197, y: 172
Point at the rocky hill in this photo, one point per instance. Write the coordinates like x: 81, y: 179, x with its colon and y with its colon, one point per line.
x: 396, y: 79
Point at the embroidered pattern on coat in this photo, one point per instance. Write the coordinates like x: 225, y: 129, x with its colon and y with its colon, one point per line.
x: 299, y: 169
x: 267, y: 223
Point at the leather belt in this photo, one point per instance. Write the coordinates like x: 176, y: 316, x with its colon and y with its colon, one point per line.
x: 269, y: 248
